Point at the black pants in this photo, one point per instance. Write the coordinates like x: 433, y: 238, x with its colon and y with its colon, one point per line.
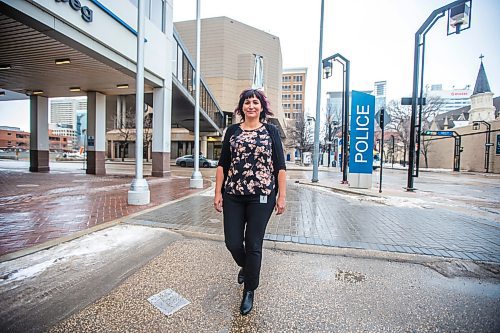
x: 245, y: 221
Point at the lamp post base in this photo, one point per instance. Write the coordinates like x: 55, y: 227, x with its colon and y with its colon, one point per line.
x: 196, y: 180
x: 139, y: 194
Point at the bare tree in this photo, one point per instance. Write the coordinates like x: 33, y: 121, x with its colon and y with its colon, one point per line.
x: 148, y: 133
x: 330, y: 126
x: 401, y: 121
x: 126, y: 129
x: 299, y: 135
x: 429, y: 112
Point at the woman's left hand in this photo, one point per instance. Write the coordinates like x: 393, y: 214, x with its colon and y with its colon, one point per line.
x: 280, y: 205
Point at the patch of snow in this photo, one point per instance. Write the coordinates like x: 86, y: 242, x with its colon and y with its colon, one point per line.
x: 91, y: 245
x: 209, y: 193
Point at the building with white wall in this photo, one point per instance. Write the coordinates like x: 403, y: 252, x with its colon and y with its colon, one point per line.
x: 448, y: 99
x: 89, y: 48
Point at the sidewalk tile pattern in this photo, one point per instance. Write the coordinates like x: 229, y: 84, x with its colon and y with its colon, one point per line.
x: 320, y: 218
x: 37, y: 207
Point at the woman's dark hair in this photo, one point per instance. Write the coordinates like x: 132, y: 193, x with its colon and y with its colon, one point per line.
x: 259, y: 94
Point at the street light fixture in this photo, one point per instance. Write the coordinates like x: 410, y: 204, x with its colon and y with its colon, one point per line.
x: 459, y: 19
x: 327, y: 71
x: 476, y: 125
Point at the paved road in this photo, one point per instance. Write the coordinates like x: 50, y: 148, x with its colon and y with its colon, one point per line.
x: 319, y: 217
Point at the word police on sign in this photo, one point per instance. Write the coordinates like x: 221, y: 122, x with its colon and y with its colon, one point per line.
x: 87, y: 13
x: 361, y: 142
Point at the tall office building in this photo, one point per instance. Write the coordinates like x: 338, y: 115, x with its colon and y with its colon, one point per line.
x: 451, y: 99
x: 63, y: 111
x: 379, y: 91
x: 293, y: 88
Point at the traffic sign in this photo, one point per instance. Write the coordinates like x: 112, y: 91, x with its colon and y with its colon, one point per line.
x: 439, y: 133
x: 386, y: 117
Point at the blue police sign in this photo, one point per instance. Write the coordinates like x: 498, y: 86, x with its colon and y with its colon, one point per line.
x: 362, y: 133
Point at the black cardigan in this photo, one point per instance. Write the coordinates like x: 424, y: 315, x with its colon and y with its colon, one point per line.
x: 278, y: 154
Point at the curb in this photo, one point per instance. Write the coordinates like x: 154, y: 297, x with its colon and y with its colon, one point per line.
x: 326, y: 250
x: 336, y: 189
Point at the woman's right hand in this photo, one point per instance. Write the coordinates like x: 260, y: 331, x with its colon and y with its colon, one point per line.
x: 218, y: 202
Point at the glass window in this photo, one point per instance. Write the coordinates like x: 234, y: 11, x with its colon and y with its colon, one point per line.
x: 157, y: 12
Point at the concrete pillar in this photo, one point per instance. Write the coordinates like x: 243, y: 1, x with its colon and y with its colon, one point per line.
x: 39, y: 137
x: 96, y: 133
x: 162, y: 106
x: 204, y: 146
x: 112, y: 149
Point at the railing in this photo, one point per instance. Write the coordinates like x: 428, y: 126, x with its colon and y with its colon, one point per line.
x: 183, y: 70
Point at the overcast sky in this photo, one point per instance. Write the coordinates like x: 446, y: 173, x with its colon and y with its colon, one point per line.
x: 376, y: 36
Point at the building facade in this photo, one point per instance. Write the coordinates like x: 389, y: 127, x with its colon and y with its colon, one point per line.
x: 13, y: 139
x: 293, y: 89
x: 474, y: 127
x: 64, y: 111
x: 449, y: 99
x: 229, y: 50
x: 90, y: 49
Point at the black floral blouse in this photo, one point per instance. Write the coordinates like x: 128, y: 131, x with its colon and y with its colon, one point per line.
x: 251, y: 169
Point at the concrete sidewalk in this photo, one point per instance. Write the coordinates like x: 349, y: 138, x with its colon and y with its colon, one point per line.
x: 326, y: 290
x: 101, y: 283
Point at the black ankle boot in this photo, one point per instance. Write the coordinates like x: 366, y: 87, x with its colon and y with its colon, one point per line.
x: 241, y: 276
x: 246, y: 302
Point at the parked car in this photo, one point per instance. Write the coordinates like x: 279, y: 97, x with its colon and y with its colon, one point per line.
x: 188, y: 161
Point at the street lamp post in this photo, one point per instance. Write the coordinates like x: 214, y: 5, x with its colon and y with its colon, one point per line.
x: 139, y: 193
x: 318, y: 100
x: 327, y: 72
x: 458, y: 18
x: 392, y: 137
x: 196, y: 180
x: 475, y: 126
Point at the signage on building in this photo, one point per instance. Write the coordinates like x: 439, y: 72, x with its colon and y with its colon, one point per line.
x: 498, y: 144
x: 87, y: 13
x: 361, y: 139
x: 90, y: 141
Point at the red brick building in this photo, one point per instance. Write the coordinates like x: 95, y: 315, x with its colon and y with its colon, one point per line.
x: 12, y: 138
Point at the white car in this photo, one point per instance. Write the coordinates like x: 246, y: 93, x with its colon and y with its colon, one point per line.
x: 188, y: 161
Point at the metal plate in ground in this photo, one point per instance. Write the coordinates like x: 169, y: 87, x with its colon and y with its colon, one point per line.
x: 168, y: 301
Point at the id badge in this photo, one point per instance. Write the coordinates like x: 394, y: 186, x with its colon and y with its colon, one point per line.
x: 263, y: 199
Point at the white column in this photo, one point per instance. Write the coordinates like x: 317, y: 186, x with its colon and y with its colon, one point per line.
x: 162, y: 107
x: 96, y: 133
x: 204, y: 146
x: 39, y: 137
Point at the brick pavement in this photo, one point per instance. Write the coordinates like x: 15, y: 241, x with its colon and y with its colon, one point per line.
x: 38, y: 207
x: 317, y: 217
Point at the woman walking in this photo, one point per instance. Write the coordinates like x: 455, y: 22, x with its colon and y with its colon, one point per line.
x: 250, y: 183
